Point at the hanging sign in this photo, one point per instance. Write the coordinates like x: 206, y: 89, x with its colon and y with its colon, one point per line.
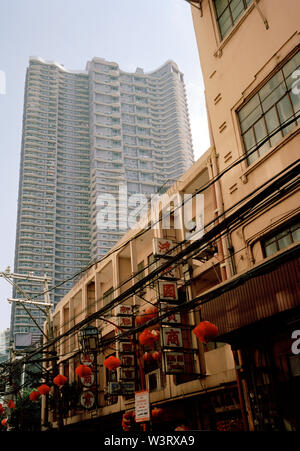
x: 87, y: 358
x: 125, y: 322
x: 123, y: 310
x: 142, y: 406
x: 161, y: 247
x: 171, y: 337
x: 170, y: 272
x: 173, y: 362
x: 126, y: 347
x: 173, y: 318
x: 88, y: 381
x: 167, y: 290
x: 127, y: 373
x: 87, y: 399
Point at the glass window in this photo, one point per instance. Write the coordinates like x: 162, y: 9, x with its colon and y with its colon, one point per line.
x: 282, y: 238
x: 228, y: 13
x: 268, y: 111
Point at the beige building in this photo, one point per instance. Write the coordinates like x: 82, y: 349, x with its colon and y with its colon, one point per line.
x: 209, y: 377
x: 250, y: 58
x: 241, y: 275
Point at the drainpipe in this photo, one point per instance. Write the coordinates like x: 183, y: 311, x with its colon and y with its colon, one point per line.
x: 223, y: 243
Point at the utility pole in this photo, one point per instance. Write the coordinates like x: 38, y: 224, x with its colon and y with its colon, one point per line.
x: 45, y: 307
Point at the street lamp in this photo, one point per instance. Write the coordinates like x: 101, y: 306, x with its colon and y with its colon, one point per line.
x: 88, y: 338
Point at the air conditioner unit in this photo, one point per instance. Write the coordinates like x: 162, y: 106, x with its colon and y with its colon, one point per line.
x: 153, y: 381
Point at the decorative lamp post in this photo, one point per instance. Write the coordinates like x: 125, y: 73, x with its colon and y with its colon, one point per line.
x: 88, y: 338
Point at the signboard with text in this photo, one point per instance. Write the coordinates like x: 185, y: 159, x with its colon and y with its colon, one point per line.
x: 142, y: 406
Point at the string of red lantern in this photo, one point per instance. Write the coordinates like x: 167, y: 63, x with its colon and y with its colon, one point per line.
x: 34, y: 395
x: 83, y: 370
x: 112, y: 363
x: 11, y: 404
x: 206, y: 331
x: 149, y: 337
x: 60, y: 380
x: 43, y: 389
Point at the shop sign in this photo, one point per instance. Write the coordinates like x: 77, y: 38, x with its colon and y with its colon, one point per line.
x: 87, y: 399
x: 120, y: 388
x: 173, y: 318
x: 171, y: 337
x: 170, y: 272
x: 88, y: 381
x: 127, y: 373
x: 87, y: 358
x: 125, y: 321
x: 123, y: 310
x: 174, y: 362
x: 161, y: 246
x: 126, y: 347
x: 167, y: 290
x: 142, y: 406
x: 127, y: 360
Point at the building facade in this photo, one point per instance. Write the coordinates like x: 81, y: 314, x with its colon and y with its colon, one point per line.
x: 243, y: 272
x: 250, y: 57
x: 88, y: 135
x: 200, y: 390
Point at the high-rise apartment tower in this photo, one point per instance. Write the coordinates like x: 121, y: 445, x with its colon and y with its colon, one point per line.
x: 85, y: 135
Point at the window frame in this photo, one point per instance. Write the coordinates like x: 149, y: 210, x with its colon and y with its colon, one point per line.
x: 255, y: 92
x: 286, y: 226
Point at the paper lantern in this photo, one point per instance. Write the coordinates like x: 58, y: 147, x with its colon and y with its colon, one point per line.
x: 43, y: 389
x: 139, y: 320
x: 147, y: 357
x: 60, y: 380
x: 11, y: 404
x: 34, y: 395
x: 150, y: 313
x: 83, y: 370
x: 4, y: 421
x: 149, y: 337
x: 182, y: 427
x: 112, y: 363
x: 206, y: 331
x: 156, y: 355
x: 156, y: 412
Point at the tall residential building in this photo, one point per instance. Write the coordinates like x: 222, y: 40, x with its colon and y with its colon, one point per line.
x: 85, y: 133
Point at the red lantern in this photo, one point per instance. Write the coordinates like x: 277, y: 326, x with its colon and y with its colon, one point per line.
x: 150, y: 313
x: 139, y: 320
x: 149, y: 337
x: 43, y: 389
x: 206, y: 331
x: 83, y: 370
x: 128, y: 420
x: 112, y: 363
x: 11, y: 404
x: 147, y: 357
x: 156, y: 412
x: 1, y: 410
x: 34, y: 396
x: 182, y: 427
x: 60, y: 380
x: 4, y: 421
x: 156, y: 355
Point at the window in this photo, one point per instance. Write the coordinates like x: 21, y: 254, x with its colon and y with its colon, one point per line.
x: 281, y: 238
x: 228, y: 13
x: 269, y: 109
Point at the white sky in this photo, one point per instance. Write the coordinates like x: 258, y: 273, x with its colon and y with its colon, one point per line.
x: 133, y: 33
